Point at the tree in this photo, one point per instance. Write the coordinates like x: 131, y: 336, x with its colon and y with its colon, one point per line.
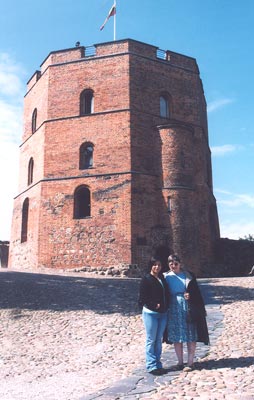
x: 248, y: 237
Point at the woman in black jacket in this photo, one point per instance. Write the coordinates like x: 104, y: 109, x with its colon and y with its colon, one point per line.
x: 154, y: 297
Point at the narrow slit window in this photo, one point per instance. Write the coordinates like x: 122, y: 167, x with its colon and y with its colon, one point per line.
x: 30, y: 171
x: 24, y: 223
x: 34, y: 120
x: 169, y: 204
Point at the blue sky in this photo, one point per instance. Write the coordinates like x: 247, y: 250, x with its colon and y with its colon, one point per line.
x: 218, y: 33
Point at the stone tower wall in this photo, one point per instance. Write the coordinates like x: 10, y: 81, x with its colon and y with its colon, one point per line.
x: 140, y: 161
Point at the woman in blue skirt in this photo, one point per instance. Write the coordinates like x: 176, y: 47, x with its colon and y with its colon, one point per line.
x: 186, y: 314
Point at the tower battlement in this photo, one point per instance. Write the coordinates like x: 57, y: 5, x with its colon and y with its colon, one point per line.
x: 111, y: 49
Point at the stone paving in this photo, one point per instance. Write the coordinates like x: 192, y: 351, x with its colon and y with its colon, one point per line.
x: 73, y: 336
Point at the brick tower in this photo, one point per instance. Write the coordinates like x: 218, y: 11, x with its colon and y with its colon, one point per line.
x: 115, y: 164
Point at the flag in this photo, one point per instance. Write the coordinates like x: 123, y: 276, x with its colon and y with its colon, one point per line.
x: 111, y: 13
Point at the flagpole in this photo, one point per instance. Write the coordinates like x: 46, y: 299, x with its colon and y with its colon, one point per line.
x: 112, y: 12
x: 115, y: 21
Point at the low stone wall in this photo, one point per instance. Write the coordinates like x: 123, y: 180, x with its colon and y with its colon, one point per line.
x: 232, y: 258
x: 4, y: 254
x: 122, y: 270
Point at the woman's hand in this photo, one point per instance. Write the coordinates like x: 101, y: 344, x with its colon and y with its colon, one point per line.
x: 186, y: 296
x: 158, y: 306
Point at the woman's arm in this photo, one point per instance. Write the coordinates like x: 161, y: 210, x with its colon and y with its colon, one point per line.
x: 146, y: 295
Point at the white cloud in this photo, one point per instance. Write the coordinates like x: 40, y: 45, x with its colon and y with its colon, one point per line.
x: 239, y: 201
x: 10, y: 122
x: 225, y: 149
x: 236, y: 213
x: 11, y: 99
x: 222, y: 191
x: 9, y: 156
x: 10, y: 76
x: 233, y: 200
x: 217, y: 104
x: 12, y: 89
x: 236, y: 230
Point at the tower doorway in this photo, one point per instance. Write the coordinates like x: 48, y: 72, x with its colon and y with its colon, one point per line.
x: 162, y: 253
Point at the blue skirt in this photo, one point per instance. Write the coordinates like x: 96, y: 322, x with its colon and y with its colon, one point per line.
x: 179, y: 330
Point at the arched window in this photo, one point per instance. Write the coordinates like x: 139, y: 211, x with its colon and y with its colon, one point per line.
x: 34, y: 120
x: 164, y: 105
x: 86, y: 156
x: 86, y: 102
x: 24, y: 223
x: 82, y: 203
x: 30, y: 171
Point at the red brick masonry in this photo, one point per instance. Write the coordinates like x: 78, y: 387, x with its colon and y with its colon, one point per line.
x: 151, y: 179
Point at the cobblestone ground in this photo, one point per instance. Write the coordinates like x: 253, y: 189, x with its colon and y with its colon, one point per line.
x: 69, y: 335
x: 228, y: 370
x: 65, y: 336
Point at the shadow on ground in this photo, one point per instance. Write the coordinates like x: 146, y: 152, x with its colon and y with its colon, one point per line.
x: 36, y: 291
x: 220, y: 294
x: 32, y: 291
x: 233, y: 363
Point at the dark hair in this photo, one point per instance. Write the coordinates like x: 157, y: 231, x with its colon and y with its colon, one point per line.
x: 174, y: 257
x: 153, y: 261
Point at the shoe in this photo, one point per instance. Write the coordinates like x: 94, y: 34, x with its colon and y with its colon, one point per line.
x: 157, y: 372
x: 178, y: 367
x: 163, y: 371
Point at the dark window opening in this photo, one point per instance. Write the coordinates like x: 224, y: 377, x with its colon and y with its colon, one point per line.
x: 164, y: 106
x: 30, y: 171
x: 86, y: 156
x: 182, y: 158
x: 169, y: 205
x: 24, y: 223
x: 82, y: 202
x: 34, y: 120
x: 161, y: 253
x: 86, y: 102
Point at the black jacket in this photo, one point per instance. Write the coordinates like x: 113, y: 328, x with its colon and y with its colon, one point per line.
x: 197, y: 306
x: 151, y: 293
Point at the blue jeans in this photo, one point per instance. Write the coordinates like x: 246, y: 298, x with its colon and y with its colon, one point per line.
x: 155, y: 324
